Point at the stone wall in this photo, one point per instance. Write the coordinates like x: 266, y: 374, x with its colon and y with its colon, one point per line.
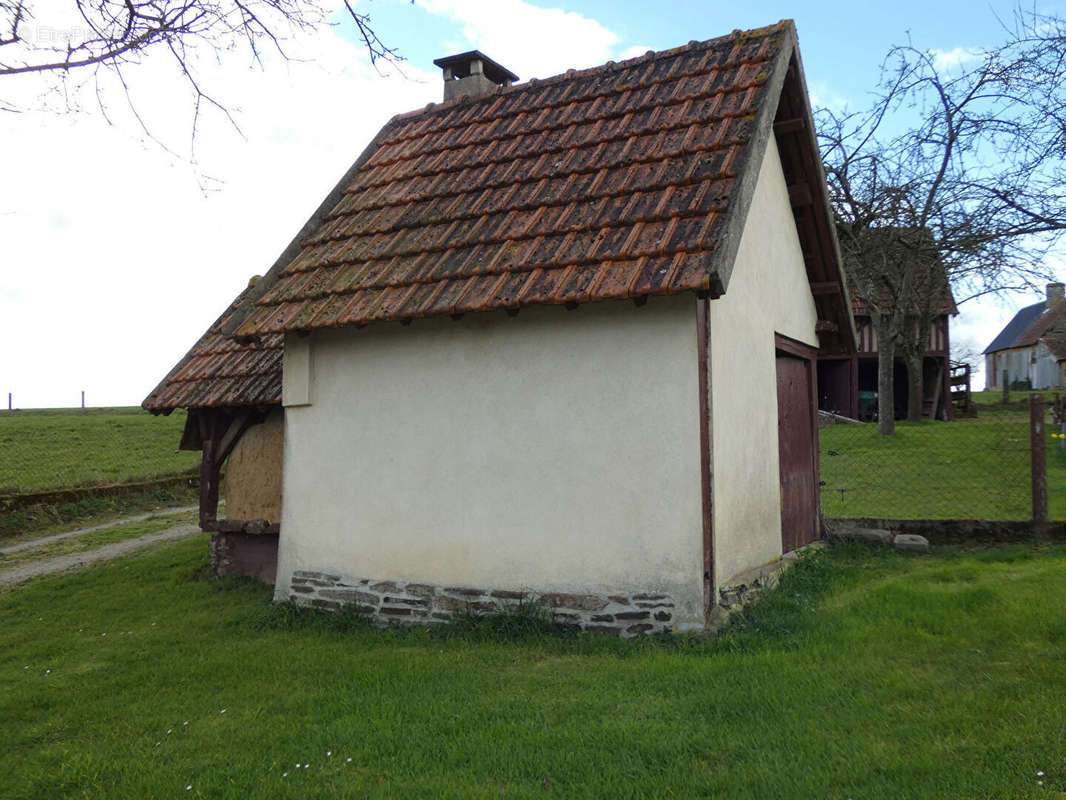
x: 251, y: 554
x: 948, y: 531
x: 409, y: 603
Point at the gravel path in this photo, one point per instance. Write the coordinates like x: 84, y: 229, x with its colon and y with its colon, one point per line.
x: 163, y: 512
x: 103, y: 553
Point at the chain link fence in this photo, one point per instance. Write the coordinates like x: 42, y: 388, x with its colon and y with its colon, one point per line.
x: 973, y: 469
x: 52, y: 449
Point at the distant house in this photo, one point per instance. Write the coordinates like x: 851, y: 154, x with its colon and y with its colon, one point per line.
x: 1031, y: 350
x: 551, y: 340
x: 847, y: 385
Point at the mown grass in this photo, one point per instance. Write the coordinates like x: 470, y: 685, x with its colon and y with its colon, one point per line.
x: 867, y: 674
x: 65, y: 448
x: 936, y: 470
x: 119, y: 532
x: 990, y: 405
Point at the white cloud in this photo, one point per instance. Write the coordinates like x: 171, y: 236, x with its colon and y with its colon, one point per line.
x: 532, y: 42
x: 822, y: 95
x: 115, y: 259
x: 634, y: 51
x: 955, y: 58
x: 117, y: 254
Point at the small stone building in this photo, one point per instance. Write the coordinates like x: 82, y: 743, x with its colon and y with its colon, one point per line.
x: 554, y: 340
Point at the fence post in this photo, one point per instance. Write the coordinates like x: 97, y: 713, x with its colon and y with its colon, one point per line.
x: 1006, y: 388
x: 1038, y: 462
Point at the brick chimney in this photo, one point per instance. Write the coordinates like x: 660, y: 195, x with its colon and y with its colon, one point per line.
x: 472, y: 74
x: 1054, y: 293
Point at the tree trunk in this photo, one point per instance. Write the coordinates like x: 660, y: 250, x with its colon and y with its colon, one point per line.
x: 915, y: 387
x: 886, y: 412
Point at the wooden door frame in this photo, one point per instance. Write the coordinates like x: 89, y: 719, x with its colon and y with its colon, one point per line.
x: 809, y: 355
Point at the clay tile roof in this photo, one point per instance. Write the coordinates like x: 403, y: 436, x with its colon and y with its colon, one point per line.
x: 218, y: 371
x: 1042, y: 324
x: 1056, y: 343
x: 613, y: 182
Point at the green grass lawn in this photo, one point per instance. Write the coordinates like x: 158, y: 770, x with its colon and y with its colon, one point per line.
x: 118, y: 532
x: 41, y: 520
x: 64, y: 448
x: 935, y: 470
x: 868, y: 674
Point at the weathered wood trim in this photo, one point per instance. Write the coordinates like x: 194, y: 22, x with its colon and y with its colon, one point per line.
x: 826, y: 287
x: 240, y: 423
x: 809, y: 355
x: 251, y: 526
x: 1038, y: 462
x: 209, y: 477
x: 796, y: 348
x: 706, y: 494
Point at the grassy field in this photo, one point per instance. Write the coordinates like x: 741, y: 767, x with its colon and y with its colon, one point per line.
x: 119, y: 532
x: 64, y: 448
x: 45, y: 519
x: 866, y: 675
x: 975, y: 469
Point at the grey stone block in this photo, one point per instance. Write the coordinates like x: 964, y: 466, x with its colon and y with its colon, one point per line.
x: 870, y: 535
x: 912, y: 543
x: 420, y: 590
x: 347, y: 595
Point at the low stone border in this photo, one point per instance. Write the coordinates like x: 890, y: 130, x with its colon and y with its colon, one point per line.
x: 16, y: 502
x: 747, y: 587
x: 410, y: 603
x: 947, y: 531
x: 911, y: 542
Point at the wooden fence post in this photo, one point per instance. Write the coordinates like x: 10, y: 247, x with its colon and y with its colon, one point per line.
x: 1006, y: 388
x: 1038, y: 462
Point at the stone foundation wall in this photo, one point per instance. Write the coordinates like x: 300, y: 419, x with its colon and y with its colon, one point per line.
x: 409, y: 603
x: 251, y: 554
x: 747, y: 587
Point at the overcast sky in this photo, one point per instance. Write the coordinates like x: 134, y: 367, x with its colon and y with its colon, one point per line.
x: 118, y: 249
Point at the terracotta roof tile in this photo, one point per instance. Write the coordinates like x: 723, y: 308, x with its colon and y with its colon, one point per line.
x: 609, y: 182
x: 219, y: 371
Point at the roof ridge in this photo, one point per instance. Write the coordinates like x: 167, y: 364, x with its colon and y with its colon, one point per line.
x: 609, y: 66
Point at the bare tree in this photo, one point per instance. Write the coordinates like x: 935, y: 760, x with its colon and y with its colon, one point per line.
x: 82, y: 38
x: 956, y: 170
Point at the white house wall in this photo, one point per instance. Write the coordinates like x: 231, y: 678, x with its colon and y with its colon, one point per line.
x: 552, y: 452
x: 768, y: 293
x: 1046, y: 371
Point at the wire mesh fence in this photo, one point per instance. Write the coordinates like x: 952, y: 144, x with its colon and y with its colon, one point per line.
x: 52, y: 449
x: 969, y: 469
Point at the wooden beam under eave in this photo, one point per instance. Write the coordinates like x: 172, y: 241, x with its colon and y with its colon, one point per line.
x: 825, y: 326
x: 825, y: 287
x: 790, y: 126
x: 799, y: 195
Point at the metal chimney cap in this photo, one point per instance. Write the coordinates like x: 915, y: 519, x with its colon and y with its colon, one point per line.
x: 460, y: 66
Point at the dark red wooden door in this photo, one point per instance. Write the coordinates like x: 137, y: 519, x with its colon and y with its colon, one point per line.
x: 796, y: 432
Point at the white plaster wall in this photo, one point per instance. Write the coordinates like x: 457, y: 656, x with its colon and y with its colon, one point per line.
x: 768, y: 293
x: 556, y: 451
x: 1046, y: 371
